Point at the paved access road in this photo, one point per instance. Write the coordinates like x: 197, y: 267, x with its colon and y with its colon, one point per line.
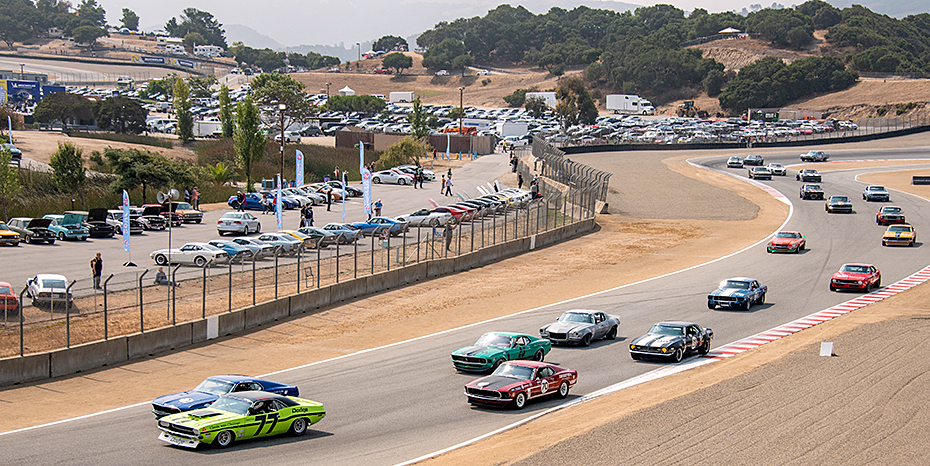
x: 403, y: 401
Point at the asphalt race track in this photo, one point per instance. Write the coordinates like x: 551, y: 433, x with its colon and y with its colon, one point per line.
x: 403, y: 401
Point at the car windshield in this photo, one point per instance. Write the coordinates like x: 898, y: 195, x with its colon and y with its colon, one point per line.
x: 839, y: 199
x: 854, y: 269
x: 787, y: 234
x: 184, y: 206
x: 660, y: 329
x: 493, y: 339
x: 891, y: 210
x: 813, y: 187
x: 514, y: 371
x: 232, y: 215
x: 576, y: 317
x: 232, y: 405
x: 737, y: 284
x: 899, y: 228
x: 876, y: 188
x: 5, y: 290
x: 117, y: 215
x: 216, y: 387
x: 53, y: 283
x: 4, y: 227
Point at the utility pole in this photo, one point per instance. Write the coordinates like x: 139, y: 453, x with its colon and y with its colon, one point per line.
x: 282, y: 108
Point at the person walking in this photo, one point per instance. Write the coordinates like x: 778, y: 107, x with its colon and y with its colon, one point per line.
x: 336, y: 174
x: 520, y: 180
x: 96, y: 266
x: 378, y: 206
x: 329, y: 199
x: 195, y: 198
x: 449, y: 186
x: 303, y: 217
x: 442, y: 184
x: 421, y: 176
x: 240, y: 199
x: 309, y: 216
x: 415, y: 178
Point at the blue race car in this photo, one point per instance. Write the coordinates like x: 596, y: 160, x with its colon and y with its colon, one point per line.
x: 234, y: 252
x: 380, y: 223
x: 253, y: 201
x: 737, y: 293
x: 211, y: 389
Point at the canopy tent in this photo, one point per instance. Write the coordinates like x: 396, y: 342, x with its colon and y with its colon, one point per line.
x: 729, y: 31
x: 346, y: 91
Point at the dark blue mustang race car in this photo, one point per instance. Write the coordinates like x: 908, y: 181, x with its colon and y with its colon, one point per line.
x: 737, y: 293
x: 211, y: 389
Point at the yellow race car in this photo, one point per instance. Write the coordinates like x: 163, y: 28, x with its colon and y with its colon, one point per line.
x: 8, y: 236
x: 899, y: 235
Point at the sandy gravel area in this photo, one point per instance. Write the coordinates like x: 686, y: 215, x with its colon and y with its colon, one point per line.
x: 39, y: 145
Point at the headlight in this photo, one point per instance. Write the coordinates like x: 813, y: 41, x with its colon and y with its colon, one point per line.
x: 575, y: 334
x: 771, y: 244
x: 163, y: 424
x: 543, y: 332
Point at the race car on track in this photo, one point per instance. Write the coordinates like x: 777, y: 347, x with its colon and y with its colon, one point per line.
x: 838, y: 204
x: 737, y: 293
x: 855, y: 276
x: 734, y: 162
x: 581, y: 327
x: 875, y: 193
x: 899, y: 235
x: 778, y: 169
x: 787, y: 241
x: 240, y: 416
x: 808, y: 174
x: 754, y: 159
x: 815, y: 156
x: 760, y: 173
x: 811, y: 191
x: 515, y: 382
x: 494, y: 348
x: 212, y: 388
x: 672, y: 340
x: 889, y: 214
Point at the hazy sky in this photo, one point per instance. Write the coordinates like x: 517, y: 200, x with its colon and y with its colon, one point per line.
x: 330, y: 22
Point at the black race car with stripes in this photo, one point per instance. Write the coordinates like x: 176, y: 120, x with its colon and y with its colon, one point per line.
x: 672, y: 341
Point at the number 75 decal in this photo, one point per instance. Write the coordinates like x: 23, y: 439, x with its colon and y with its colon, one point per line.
x: 263, y: 418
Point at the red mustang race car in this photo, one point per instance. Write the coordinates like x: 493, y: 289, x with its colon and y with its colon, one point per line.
x: 787, y: 241
x: 515, y: 382
x: 856, y: 277
x: 889, y: 214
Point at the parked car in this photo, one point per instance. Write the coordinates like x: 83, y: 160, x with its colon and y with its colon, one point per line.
x: 349, y: 234
x: 838, y: 204
x: 150, y: 217
x: 581, y: 327
x: 188, y: 214
x: 368, y: 227
x: 306, y: 240
x: 672, y: 341
x: 283, y: 243
x: 890, y: 214
x: 289, y: 137
x: 875, y: 193
x: 259, y: 248
x: 322, y: 237
x: 391, y: 177
x: 32, y: 230
x: 236, y: 417
x: 737, y: 293
x: 234, y: 252
x: 48, y: 289
x: 172, y: 219
x: 115, y: 218
x: 68, y: 226
x: 442, y: 73
x: 17, y: 155
x: 351, y: 191
x: 210, y: 390
x: 96, y: 221
x: 815, y: 156
x: 7, y: 236
x: 198, y: 254
x: 495, y: 348
x: 855, y: 276
x: 516, y: 382
x: 238, y: 222
x: 426, y: 218
x: 9, y: 304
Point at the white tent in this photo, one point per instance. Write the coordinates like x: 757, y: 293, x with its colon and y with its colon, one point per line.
x: 346, y: 91
x: 729, y: 31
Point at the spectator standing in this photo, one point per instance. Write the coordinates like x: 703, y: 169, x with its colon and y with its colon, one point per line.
x: 448, y: 186
x: 420, y: 176
x: 195, y: 198
x: 187, y: 194
x: 329, y: 198
x: 240, y: 199
x: 309, y: 216
x: 336, y: 174
x: 442, y: 184
x: 519, y: 180
x: 266, y: 204
x: 447, y: 233
x: 96, y: 266
x: 378, y: 206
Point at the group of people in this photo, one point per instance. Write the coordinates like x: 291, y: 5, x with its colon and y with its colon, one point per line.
x: 192, y: 197
x: 445, y: 185
x: 418, y: 177
x: 306, y: 216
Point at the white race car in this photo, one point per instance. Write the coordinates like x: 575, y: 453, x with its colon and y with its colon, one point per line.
x: 198, y: 254
x: 392, y: 177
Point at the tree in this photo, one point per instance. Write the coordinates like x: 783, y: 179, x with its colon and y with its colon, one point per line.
x: 442, y: 54
x: 367, y: 104
x: 194, y: 20
x: 192, y: 39
x: 88, y: 34
x: 248, y: 139
x: 575, y: 103
x: 462, y: 62
x: 135, y: 168
x: 226, y: 113
x: 63, y: 106
x: 163, y: 86
x: 200, y: 85
x: 417, y: 119
x: 407, y: 150
x: 130, y: 20
x: 713, y: 82
x: 269, y: 90
x: 220, y: 173
x: 17, y: 21
x: 92, y: 14
x: 121, y: 114
x: 389, y: 43
x: 182, y: 108
x: 398, y: 61
x: 537, y: 106
x: 68, y: 169
x: 9, y: 182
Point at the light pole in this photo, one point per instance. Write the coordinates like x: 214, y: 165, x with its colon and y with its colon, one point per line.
x: 461, y: 107
x: 282, y: 108
x: 22, y: 67
x: 359, y: 45
x: 327, y: 89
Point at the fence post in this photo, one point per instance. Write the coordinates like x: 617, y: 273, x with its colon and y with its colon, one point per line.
x: 253, y: 279
x: 229, y: 288
x: 22, y: 320
x: 355, y: 256
x: 458, y: 247
x: 298, y: 263
x: 387, y: 249
x: 318, y: 264
x: 203, y: 292
x: 174, y: 295
x: 141, y: 315
x: 68, y: 312
x: 494, y: 227
x: 276, y: 251
x: 419, y: 243
x: 505, y: 227
x: 338, y: 240
x: 374, y: 233
x: 105, y: 329
x: 472, y: 248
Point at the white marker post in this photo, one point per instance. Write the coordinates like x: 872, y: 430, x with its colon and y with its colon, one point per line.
x: 826, y: 348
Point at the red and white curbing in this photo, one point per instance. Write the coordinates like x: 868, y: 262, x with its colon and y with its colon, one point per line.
x: 759, y: 339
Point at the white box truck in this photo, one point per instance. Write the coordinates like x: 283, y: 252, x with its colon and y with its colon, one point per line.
x: 402, y: 96
x: 632, y: 104
x: 506, y: 128
x: 547, y: 97
x: 207, y: 128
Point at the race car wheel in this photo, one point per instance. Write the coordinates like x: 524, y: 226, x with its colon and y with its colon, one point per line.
x: 61, y: 235
x: 199, y: 261
x: 51, y: 241
x: 224, y: 438
x: 563, y: 390
x: 519, y: 401
x: 761, y: 299
x: 402, y: 182
x: 161, y: 260
x: 711, y: 305
x: 258, y: 229
x: 678, y: 354
x: 376, y: 180
x: 612, y: 333
x: 539, y: 355
x: 705, y: 348
x: 586, y: 340
x: 878, y: 284
x: 832, y: 288
x: 747, y: 305
x: 884, y: 243
x: 299, y: 427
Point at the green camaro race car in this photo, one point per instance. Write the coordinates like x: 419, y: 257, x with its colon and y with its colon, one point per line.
x: 493, y: 348
x: 240, y: 416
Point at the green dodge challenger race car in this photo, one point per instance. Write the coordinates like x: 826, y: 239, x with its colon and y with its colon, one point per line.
x: 240, y: 416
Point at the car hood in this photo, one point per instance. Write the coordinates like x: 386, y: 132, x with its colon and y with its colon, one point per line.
x: 186, y: 400
x: 895, y: 234
x: 201, y: 418
x: 72, y: 220
x: 834, y: 202
x: 39, y: 223
x: 97, y: 215
x: 730, y: 292
x: 785, y: 240
x: 495, y: 382
x: 478, y: 351
x: 151, y: 210
x: 850, y: 276
x: 566, y: 327
x: 653, y: 340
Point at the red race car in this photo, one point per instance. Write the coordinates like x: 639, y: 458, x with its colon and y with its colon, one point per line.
x: 889, y: 214
x: 8, y: 301
x: 856, y: 277
x: 515, y: 382
x: 787, y: 241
